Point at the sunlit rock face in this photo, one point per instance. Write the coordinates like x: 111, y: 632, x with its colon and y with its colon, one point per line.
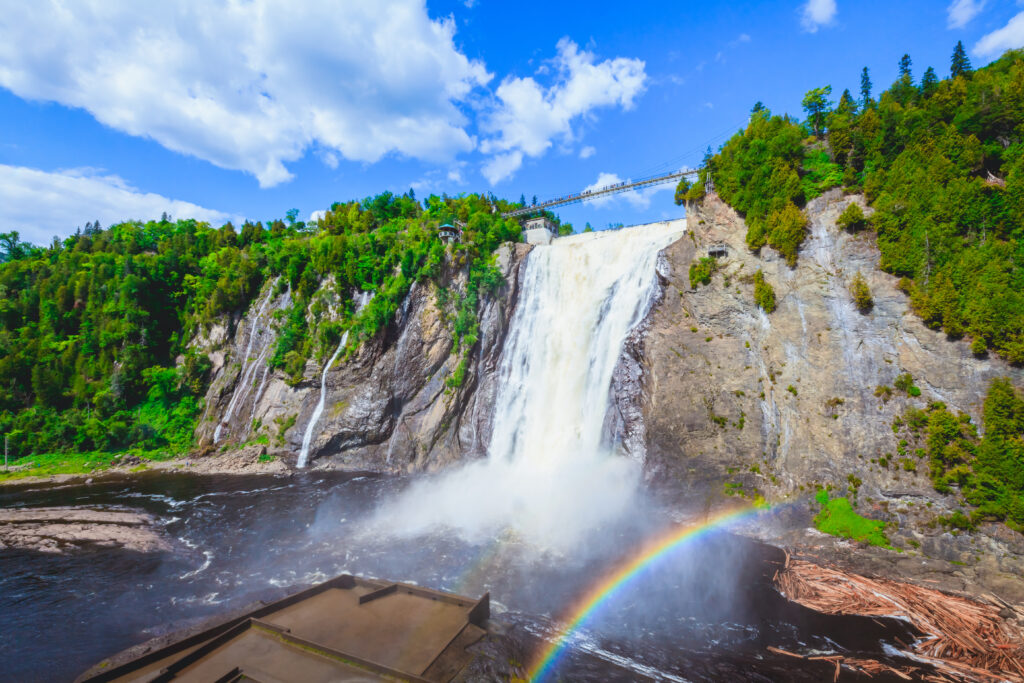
x: 784, y: 401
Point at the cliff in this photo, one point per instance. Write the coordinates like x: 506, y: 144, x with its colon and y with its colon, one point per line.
x: 387, y: 408
x: 737, y: 401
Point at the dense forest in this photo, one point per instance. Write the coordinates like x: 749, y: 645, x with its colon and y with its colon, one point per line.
x: 941, y: 162
x: 95, y: 329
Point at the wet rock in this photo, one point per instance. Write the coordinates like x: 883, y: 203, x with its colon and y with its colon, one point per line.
x: 60, y: 529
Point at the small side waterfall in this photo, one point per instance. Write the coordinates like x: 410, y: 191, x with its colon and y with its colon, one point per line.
x: 307, y: 438
x: 548, y: 477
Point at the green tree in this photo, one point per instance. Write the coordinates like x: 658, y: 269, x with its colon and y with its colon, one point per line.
x: 905, y: 64
x: 785, y: 231
x: 847, y: 105
x: 929, y: 82
x: 764, y: 294
x: 865, y: 88
x: 861, y: 293
x: 852, y: 218
x: 11, y: 246
x: 758, y: 107
x: 817, y: 106
x: 681, y: 189
x: 959, y: 63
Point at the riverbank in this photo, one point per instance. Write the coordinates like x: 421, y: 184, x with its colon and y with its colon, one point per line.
x: 70, y: 467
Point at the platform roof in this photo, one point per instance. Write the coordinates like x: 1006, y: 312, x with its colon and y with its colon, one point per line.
x: 346, y: 629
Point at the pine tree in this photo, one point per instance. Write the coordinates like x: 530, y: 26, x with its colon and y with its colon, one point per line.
x: 929, y: 82
x: 865, y: 88
x: 959, y: 64
x: 846, y: 103
x: 905, y: 63
x: 758, y: 107
x: 708, y: 156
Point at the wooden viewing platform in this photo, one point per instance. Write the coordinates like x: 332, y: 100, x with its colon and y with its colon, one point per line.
x: 346, y: 629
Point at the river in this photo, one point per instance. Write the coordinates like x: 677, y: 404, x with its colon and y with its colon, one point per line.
x: 707, y: 613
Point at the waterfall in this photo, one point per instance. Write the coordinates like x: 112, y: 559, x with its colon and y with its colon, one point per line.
x: 307, y: 438
x: 247, y: 371
x: 548, y: 476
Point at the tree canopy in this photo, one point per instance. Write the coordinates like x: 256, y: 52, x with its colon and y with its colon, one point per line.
x: 95, y: 331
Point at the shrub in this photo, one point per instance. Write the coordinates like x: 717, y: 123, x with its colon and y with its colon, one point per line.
x: 701, y: 271
x: 764, y: 294
x: 838, y: 518
x: 861, y: 293
x: 905, y: 383
x: 852, y: 218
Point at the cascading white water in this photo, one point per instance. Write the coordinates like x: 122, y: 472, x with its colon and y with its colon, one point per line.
x: 249, y: 365
x: 547, y: 476
x: 307, y: 438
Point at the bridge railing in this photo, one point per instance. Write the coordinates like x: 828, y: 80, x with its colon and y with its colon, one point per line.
x: 625, y: 186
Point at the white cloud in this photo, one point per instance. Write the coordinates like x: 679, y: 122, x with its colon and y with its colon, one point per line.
x: 817, y: 13
x: 960, y: 12
x: 1008, y: 37
x: 639, y: 199
x: 250, y: 85
x: 528, y: 116
x: 587, y: 152
x: 41, y: 205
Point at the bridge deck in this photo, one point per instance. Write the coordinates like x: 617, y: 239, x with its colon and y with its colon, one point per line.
x: 602, y: 192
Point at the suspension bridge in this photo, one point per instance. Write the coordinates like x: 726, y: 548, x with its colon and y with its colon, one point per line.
x: 608, y: 190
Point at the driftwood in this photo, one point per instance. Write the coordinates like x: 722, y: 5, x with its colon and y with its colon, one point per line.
x: 963, y: 639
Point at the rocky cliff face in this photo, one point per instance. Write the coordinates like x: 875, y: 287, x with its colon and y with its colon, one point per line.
x: 387, y: 408
x: 779, y: 403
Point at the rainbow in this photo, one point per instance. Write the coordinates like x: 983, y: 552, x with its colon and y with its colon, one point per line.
x: 621, y: 577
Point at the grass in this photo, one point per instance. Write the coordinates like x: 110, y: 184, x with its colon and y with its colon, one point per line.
x: 49, y: 464
x: 838, y: 518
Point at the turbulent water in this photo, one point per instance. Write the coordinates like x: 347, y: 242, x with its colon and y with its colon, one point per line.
x: 580, y: 297
x: 551, y: 510
x: 707, y: 615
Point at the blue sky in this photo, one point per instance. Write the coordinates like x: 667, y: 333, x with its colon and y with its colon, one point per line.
x: 117, y: 109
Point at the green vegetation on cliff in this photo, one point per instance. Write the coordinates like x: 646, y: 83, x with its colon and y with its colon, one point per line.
x: 942, y: 165
x: 989, y: 471
x: 95, y: 330
x: 837, y: 517
x: 764, y: 293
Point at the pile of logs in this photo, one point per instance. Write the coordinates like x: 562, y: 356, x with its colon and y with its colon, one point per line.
x: 965, y: 639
